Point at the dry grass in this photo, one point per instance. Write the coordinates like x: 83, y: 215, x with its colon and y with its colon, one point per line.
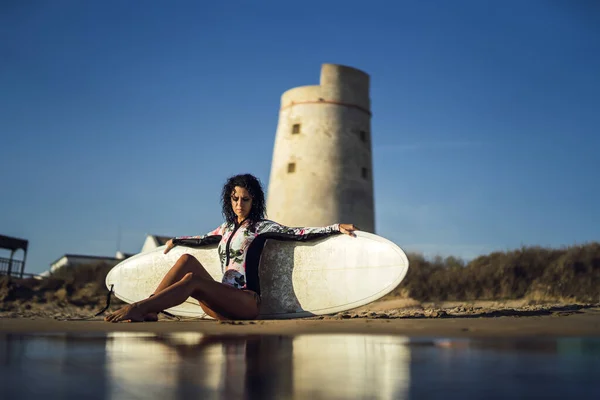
x: 79, y: 286
x: 571, y: 273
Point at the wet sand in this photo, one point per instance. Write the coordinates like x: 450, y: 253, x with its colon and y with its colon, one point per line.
x: 451, y: 320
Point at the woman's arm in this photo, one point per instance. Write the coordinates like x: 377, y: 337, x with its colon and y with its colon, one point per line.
x: 303, y: 233
x: 211, y: 237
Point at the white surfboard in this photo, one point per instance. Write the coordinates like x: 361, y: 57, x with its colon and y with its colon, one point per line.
x: 297, y: 279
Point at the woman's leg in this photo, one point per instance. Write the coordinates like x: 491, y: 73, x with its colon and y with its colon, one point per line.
x: 223, y: 300
x: 185, y: 264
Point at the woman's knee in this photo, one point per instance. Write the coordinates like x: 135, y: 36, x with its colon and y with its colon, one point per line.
x: 188, y: 277
x: 195, y: 280
x: 186, y: 259
x: 188, y: 263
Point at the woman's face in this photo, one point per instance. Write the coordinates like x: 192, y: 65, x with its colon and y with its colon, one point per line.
x: 241, y: 202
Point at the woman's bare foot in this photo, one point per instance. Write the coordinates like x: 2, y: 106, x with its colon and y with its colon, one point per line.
x: 129, y: 313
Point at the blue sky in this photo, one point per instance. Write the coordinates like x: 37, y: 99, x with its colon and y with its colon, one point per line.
x: 130, y: 116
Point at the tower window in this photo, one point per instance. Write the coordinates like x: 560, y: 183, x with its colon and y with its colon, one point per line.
x: 365, y: 173
x: 291, y: 167
x: 363, y: 136
x: 296, y: 128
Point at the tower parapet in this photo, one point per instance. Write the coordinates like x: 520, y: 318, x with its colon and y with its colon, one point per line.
x: 322, y: 165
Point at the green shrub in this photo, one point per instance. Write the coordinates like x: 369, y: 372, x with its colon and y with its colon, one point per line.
x: 569, y: 273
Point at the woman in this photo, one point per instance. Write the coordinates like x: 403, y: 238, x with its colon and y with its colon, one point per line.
x: 237, y: 296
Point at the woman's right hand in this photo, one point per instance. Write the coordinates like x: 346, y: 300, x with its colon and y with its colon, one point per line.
x: 169, y: 245
x: 348, y: 229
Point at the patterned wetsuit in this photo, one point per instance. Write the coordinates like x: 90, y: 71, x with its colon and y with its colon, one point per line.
x: 240, y: 246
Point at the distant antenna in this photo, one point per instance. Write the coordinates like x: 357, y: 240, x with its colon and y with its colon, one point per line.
x: 119, y: 238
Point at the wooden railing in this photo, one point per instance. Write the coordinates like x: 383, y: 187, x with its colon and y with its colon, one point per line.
x: 13, y: 268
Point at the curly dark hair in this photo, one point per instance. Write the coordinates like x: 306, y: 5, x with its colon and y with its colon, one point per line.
x: 254, y: 187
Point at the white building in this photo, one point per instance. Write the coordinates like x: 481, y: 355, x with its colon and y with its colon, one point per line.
x: 154, y: 241
x: 74, y: 260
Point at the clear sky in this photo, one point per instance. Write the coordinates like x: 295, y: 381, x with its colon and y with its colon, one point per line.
x: 129, y: 116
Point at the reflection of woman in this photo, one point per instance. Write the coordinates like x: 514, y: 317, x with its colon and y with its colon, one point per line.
x: 235, y: 297
x: 249, y: 366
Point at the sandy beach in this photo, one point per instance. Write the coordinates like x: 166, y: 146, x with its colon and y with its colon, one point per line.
x: 391, y: 317
x: 55, y: 306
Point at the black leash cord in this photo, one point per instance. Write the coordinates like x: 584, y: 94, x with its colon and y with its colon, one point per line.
x: 107, y: 301
x: 108, y: 296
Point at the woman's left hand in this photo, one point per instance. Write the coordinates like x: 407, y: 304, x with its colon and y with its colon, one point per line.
x: 348, y: 229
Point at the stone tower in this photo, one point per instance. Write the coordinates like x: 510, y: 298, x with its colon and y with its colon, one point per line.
x: 322, y: 170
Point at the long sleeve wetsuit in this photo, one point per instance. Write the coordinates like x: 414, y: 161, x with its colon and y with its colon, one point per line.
x: 239, y: 248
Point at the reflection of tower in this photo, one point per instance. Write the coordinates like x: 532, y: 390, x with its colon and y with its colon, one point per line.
x: 322, y: 167
x: 349, y: 366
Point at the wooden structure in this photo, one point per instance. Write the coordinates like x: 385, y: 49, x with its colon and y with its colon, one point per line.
x: 10, y: 266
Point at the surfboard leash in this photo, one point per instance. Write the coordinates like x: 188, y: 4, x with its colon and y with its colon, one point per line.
x: 108, y: 296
